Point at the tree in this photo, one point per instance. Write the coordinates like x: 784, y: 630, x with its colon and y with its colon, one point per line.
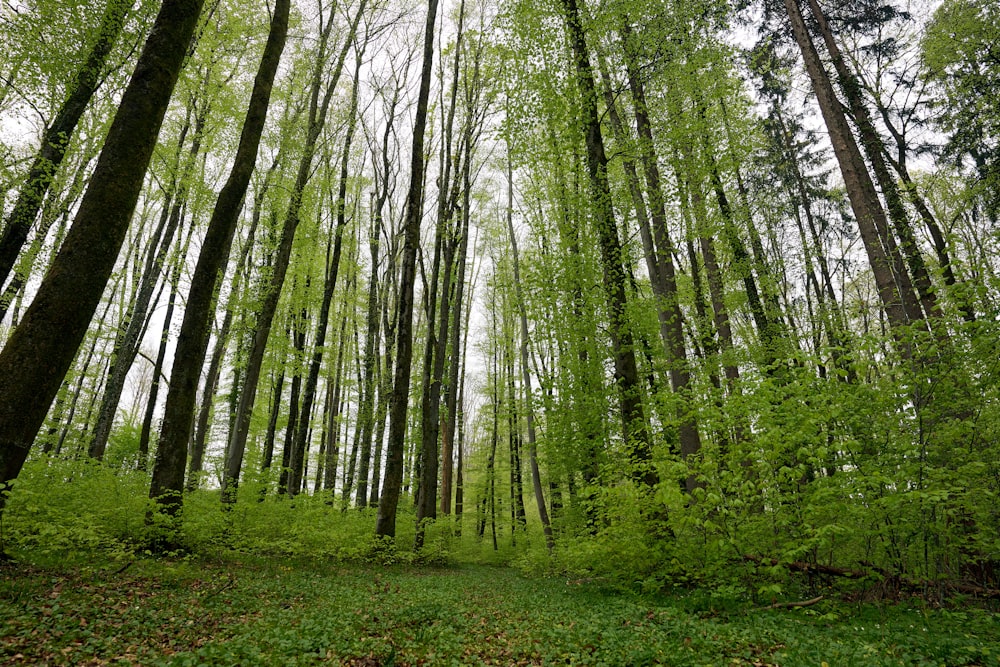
x: 57, y: 135
x: 961, y: 58
x: 168, y: 473
x: 320, y: 94
x: 635, y: 429
x: 868, y: 210
x: 385, y: 525
x: 38, y: 354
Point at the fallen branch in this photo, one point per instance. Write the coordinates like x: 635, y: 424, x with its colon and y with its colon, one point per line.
x: 799, y: 566
x: 876, y: 572
x: 229, y: 584
x: 786, y: 605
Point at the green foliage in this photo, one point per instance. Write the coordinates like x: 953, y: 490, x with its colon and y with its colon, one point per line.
x: 60, y: 506
x: 961, y: 55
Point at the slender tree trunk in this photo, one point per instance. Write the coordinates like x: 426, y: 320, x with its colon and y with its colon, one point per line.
x: 289, y: 457
x: 455, y: 363
x: 385, y: 525
x: 635, y: 429
x: 161, y: 353
x: 272, y: 422
x: 57, y: 136
x: 860, y: 189
x: 536, y: 477
x: 192, y: 340
x: 332, y: 271
x: 130, y: 336
x: 333, y: 428
x: 671, y: 319
x: 366, y: 414
x: 317, y: 118
x: 933, y: 228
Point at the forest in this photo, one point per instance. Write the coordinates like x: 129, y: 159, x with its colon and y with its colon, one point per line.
x: 653, y: 295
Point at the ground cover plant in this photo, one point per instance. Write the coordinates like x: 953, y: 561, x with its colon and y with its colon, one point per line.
x: 270, y: 611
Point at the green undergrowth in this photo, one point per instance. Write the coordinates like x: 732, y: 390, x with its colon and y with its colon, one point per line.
x: 244, y: 610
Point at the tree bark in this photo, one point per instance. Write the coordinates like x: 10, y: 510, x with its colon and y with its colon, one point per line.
x: 366, y: 412
x: 874, y: 148
x: 536, y: 477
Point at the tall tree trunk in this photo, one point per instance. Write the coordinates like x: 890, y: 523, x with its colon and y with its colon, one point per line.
x: 332, y: 271
x: 455, y: 363
x: 536, y: 477
x: 333, y: 427
x: 272, y: 423
x: 860, y: 189
x: 161, y: 353
x: 385, y: 525
x: 215, y: 365
x: 437, y: 340
x: 366, y: 414
x: 35, y: 359
x: 634, y: 427
x: 874, y: 148
x: 671, y: 319
x: 128, y: 341
x: 286, y: 481
x: 192, y: 340
x: 383, y: 367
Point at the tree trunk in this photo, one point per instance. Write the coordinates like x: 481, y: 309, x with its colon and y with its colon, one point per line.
x: 671, y: 319
x: 536, y: 477
x: 192, y: 341
x: 128, y: 341
x: 385, y: 525
x: 289, y: 457
x: 317, y: 118
x: 860, y: 189
x: 634, y: 427
x: 330, y: 285
x: 161, y: 353
x: 874, y: 148
x: 333, y: 428
x: 366, y: 414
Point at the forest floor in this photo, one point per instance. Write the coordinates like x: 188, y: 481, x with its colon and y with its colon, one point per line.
x: 284, y: 612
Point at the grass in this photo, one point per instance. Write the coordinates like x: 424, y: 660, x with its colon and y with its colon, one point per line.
x: 285, y: 612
